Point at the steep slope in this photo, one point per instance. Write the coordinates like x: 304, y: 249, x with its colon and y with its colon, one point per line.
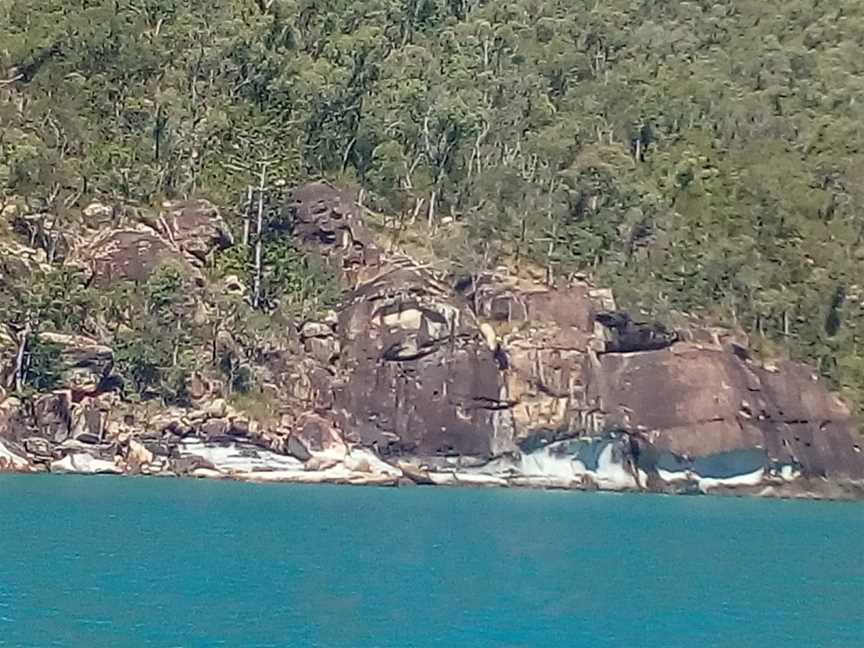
x: 417, y: 376
x: 698, y: 157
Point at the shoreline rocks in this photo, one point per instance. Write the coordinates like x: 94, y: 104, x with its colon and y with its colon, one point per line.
x: 423, y: 378
x: 596, y: 466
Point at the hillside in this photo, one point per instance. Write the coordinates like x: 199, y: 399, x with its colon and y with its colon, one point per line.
x: 414, y: 377
x: 701, y: 159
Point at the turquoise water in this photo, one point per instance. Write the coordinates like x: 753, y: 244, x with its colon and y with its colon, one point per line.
x: 148, y: 562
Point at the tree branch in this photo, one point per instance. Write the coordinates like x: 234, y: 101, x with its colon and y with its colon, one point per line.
x: 15, y: 78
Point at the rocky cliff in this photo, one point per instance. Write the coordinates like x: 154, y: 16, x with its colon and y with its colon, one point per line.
x: 425, y: 378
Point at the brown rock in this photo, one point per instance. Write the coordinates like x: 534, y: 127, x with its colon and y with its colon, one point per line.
x: 194, y: 226
x: 324, y: 350
x: 84, y: 362
x: 169, y: 421
x: 217, y: 408
x: 328, y: 220
x: 418, y: 375
x: 127, y: 254
x: 87, y: 420
x: 214, y: 428
x: 503, y: 298
x: 240, y: 426
x: 52, y: 415
x: 316, y: 435
x: 198, y: 386
x: 99, y: 216
x: 696, y: 402
x: 13, y: 422
x: 315, y: 330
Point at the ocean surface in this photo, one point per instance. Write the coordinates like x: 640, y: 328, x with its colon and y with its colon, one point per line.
x: 148, y: 562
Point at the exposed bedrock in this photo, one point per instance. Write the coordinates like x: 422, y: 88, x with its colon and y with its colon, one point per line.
x: 422, y: 377
x: 495, y: 370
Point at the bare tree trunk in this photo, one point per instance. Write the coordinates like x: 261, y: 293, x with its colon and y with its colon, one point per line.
x: 432, y: 199
x: 553, y: 233
x: 259, y: 228
x: 264, y: 5
x: 247, y: 216
x: 520, y: 244
x: 157, y: 135
x: 474, y: 302
x: 347, y: 153
x: 214, y: 335
x: 175, y: 354
x: 19, y: 358
x: 417, y: 207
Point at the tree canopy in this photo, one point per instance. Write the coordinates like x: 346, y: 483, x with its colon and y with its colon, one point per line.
x: 700, y: 157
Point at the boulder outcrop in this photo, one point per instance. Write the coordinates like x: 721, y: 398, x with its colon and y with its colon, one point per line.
x: 13, y: 459
x: 417, y: 376
x: 137, y: 244
x: 195, y: 227
x: 327, y: 220
x: 83, y: 362
x: 431, y: 379
x: 500, y: 373
x: 130, y: 253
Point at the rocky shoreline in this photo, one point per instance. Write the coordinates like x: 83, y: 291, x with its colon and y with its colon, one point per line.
x: 360, y: 467
x: 419, y: 378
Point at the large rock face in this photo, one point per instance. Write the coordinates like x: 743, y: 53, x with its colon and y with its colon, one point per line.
x: 327, y: 220
x: 547, y: 344
x: 694, y: 402
x: 84, y: 363
x: 183, y: 233
x: 126, y: 254
x: 487, y: 380
x: 419, y: 377
x: 531, y: 378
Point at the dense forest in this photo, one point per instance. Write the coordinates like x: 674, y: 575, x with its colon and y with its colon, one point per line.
x: 701, y: 157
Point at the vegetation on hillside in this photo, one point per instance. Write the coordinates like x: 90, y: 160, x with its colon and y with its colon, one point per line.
x: 702, y: 157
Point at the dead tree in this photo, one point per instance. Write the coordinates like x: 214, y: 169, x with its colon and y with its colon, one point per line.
x: 23, y: 337
x: 247, y: 215
x: 259, y: 230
